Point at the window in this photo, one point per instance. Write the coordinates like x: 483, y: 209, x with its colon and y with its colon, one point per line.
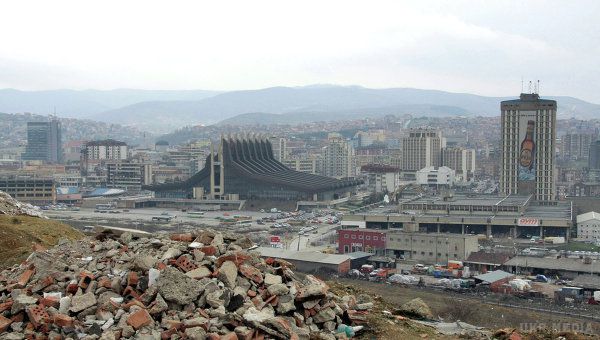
x: 375, y: 238
x: 354, y: 237
x: 422, y: 253
x: 383, y: 238
x: 360, y: 237
x: 368, y: 237
x: 430, y: 254
x: 346, y: 248
x: 345, y: 235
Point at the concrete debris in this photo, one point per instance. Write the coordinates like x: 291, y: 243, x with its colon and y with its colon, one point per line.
x: 10, y: 206
x: 162, y: 288
x: 416, y: 308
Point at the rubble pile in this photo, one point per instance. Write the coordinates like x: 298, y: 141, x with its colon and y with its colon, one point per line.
x: 205, y: 285
x: 10, y: 206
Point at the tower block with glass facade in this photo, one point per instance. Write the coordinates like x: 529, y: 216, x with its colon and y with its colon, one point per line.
x: 528, y: 147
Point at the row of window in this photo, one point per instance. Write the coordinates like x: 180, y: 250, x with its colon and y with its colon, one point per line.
x: 368, y: 238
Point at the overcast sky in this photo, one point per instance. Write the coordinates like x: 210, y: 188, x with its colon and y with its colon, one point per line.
x: 482, y: 47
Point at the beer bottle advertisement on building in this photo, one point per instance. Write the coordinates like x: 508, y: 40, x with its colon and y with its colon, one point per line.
x: 527, y: 149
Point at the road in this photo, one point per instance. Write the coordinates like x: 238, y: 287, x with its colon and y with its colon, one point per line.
x: 324, y: 231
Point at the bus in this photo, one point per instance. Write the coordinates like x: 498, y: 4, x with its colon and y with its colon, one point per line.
x: 195, y: 214
x: 104, y: 207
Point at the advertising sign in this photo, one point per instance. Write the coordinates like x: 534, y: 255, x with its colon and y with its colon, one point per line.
x: 527, y: 154
x: 528, y: 222
x: 275, y: 239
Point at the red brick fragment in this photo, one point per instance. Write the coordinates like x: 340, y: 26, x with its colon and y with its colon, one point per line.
x: 86, y: 279
x: 5, y: 306
x: 185, y: 264
x: 251, y: 273
x: 4, y: 323
x: 24, y: 278
x: 62, y: 320
x: 182, y: 237
x: 50, y: 302
x: 139, y: 319
x: 209, y: 250
x: 238, y: 258
x: 37, y: 315
x: 132, y: 279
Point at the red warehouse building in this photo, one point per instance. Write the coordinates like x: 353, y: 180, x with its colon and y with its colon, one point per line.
x: 360, y: 239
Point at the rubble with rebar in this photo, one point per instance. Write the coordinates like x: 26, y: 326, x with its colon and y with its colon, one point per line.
x: 205, y: 285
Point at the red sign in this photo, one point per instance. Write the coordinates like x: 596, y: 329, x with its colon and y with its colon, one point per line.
x: 528, y: 222
x: 275, y: 239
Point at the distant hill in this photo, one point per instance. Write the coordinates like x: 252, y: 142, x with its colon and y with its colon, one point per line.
x: 14, y: 127
x: 163, y: 111
x: 301, y: 104
x: 86, y: 103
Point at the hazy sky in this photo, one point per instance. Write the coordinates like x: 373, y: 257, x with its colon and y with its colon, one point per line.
x: 482, y: 47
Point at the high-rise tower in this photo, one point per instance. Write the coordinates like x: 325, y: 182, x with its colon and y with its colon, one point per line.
x: 44, y: 142
x: 528, y: 147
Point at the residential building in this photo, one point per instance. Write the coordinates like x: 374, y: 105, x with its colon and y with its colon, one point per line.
x: 109, y: 149
x: 280, y: 149
x: 310, y: 164
x: 339, y: 160
x: 442, y: 176
x: 44, y: 142
x: 422, y: 148
x: 594, y: 158
x: 128, y: 176
x: 460, y: 160
x: 576, y: 146
x: 528, y: 133
x: 381, y: 178
x: 588, y: 227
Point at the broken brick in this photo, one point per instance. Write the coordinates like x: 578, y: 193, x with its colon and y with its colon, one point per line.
x: 4, y: 323
x: 86, y: 279
x: 132, y: 279
x: 182, y: 237
x: 37, y: 315
x: 63, y: 320
x: 139, y: 319
x: 24, y: 278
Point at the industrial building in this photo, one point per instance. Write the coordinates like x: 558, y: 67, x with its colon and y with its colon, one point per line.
x: 34, y: 190
x: 588, y: 227
x: 128, y: 175
x: 245, y: 168
x: 310, y: 261
x: 498, y: 216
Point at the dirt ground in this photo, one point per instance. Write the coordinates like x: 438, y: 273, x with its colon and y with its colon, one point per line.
x: 470, y: 310
x: 19, y: 233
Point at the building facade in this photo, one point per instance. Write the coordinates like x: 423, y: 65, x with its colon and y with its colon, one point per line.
x: 588, y: 227
x: 528, y: 133
x: 430, y: 248
x: 594, y: 158
x: 422, y: 148
x: 460, y: 160
x: 381, y: 178
x: 339, y: 160
x: 34, y: 190
x: 44, y: 142
x: 357, y: 239
x: 442, y: 176
x: 576, y: 146
x: 128, y: 176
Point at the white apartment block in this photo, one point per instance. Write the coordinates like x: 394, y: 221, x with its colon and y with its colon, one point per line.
x: 588, y: 227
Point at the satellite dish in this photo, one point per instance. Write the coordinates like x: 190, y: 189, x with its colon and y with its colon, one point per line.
x: 386, y: 199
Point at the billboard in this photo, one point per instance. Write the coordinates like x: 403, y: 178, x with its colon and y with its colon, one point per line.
x: 527, y: 157
x: 528, y: 222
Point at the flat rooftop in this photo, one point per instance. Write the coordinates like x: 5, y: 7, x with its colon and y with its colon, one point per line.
x: 486, y: 200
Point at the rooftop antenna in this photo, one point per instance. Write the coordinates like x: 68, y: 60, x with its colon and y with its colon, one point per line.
x: 538, y: 86
x: 522, y: 86
x: 530, y: 87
